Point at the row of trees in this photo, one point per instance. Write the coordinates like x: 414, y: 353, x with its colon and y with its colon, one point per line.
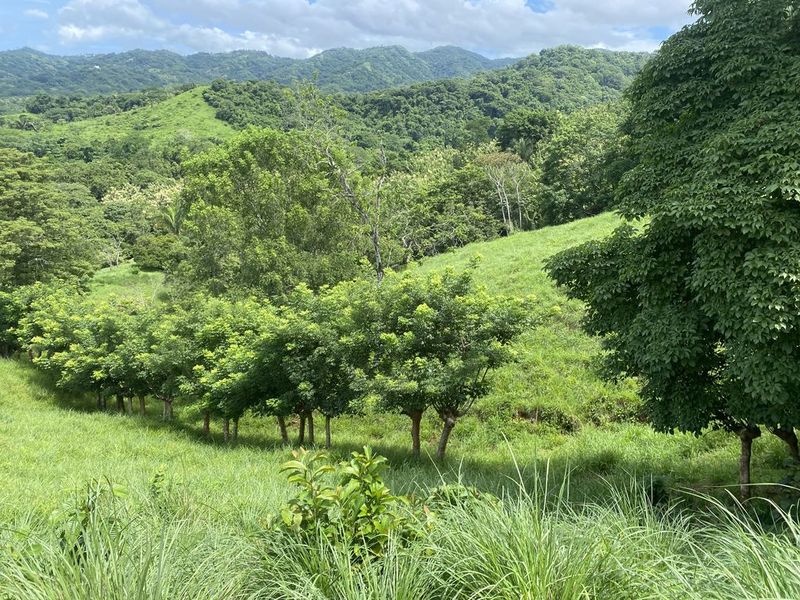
x: 414, y: 342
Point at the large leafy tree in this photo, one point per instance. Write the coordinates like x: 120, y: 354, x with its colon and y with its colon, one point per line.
x: 703, y: 301
x: 266, y: 214
x: 580, y: 163
x: 48, y: 229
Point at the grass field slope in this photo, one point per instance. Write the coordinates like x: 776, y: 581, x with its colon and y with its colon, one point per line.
x: 186, y: 505
x: 549, y: 405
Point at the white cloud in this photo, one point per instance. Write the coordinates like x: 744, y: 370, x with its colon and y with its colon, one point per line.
x: 299, y: 28
x: 36, y: 13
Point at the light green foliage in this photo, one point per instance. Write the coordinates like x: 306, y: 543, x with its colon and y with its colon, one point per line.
x: 265, y: 216
x: 514, y: 187
x: 223, y: 379
x: 346, y: 504
x: 316, y: 354
x: 437, y: 339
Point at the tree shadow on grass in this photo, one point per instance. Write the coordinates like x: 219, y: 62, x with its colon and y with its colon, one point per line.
x: 589, y: 476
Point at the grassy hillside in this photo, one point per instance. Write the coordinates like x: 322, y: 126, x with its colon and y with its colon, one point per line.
x: 145, y: 142
x: 554, y: 379
x: 549, y: 410
x: 185, y: 116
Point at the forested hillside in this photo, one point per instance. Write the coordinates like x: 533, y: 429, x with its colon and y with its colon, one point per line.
x: 27, y: 72
x: 450, y: 112
x: 558, y: 298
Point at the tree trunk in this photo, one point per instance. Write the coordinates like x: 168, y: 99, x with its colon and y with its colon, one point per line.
x: 167, y: 413
x: 416, y: 420
x: 301, y: 436
x: 746, y: 435
x: 327, y: 432
x: 226, y: 429
x: 236, y: 428
x: 207, y: 423
x: 284, y: 432
x: 447, y: 429
x: 99, y: 401
x: 130, y: 405
x: 310, y: 419
x: 790, y: 437
x: 120, y: 404
x: 142, y: 406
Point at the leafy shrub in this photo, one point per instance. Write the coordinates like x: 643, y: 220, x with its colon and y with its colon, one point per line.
x: 157, y: 251
x: 358, y: 510
x: 615, y: 409
x: 551, y: 415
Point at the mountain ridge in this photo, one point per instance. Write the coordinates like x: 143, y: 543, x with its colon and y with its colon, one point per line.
x: 26, y: 71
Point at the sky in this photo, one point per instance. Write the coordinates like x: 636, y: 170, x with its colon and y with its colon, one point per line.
x: 302, y: 28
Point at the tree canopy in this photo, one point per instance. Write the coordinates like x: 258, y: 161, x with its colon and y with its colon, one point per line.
x: 702, y: 300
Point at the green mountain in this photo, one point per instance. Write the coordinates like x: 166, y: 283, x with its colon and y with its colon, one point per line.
x: 450, y: 111
x: 26, y: 72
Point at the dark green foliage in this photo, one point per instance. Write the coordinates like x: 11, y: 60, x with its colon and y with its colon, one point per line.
x: 703, y: 301
x: 49, y: 230
x: 580, y: 164
x: 27, y: 72
x: 528, y: 126
x: 450, y: 112
x: 157, y: 251
x: 251, y: 103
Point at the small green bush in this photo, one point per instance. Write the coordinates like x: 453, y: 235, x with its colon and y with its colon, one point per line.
x: 356, y: 509
x: 550, y: 415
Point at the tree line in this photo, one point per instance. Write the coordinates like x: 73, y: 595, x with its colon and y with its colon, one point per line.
x: 412, y: 343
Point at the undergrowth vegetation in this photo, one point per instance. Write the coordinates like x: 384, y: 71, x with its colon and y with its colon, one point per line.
x: 454, y: 543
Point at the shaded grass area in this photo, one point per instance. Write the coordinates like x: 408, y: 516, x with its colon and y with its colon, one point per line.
x: 51, y: 443
x: 165, y: 543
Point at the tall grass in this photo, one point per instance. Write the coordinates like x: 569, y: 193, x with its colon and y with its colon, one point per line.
x: 536, y: 545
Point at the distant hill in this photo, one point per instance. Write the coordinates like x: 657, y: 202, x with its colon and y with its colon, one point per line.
x: 450, y: 112
x: 25, y: 72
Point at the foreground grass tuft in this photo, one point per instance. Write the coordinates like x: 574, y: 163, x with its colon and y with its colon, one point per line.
x: 522, y: 548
